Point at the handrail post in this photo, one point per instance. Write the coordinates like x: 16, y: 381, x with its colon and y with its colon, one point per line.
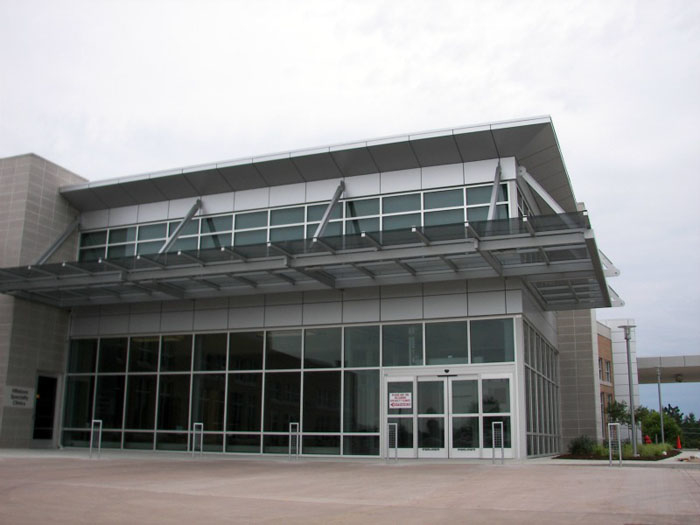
x: 98, y: 423
x: 392, y: 436
x: 497, y: 440
x: 294, y: 434
x: 197, y: 427
x: 614, y: 429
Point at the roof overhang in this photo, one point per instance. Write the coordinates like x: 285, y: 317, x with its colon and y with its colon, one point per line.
x: 555, y: 256
x: 532, y: 142
x: 672, y: 369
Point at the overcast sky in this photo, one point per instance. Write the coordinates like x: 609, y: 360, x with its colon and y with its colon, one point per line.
x: 110, y: 89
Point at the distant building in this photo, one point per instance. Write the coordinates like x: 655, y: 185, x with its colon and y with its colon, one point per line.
x: 431, y: 285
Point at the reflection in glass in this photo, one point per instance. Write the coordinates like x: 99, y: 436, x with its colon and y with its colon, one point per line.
x: 122, y: 235
x: 282, y: 397
x: 244, y: 402
x: 243, y: 443
x: 437, y: 218
x: 492, y: 340
x: 113, y: 354
x: 320, y: 445
x: 251, y: 237
x: 290, y: 233
x: 152, y: 231
x: 361, y: 445
x: 283, y: 349
x: 402, y: 345
x: 361, y: 225
x: 446, y: 343
x: 208, y: 400
x: 286, y: 216
x: 82, y: 355
x: 495, y: 395
x: 110, y: 401
x: 465, y: 397
x: 398, y: 222
x: 176, y: 353
x: 401, y: 203
x: 431, y: 432
x: 173, y: 402
x: 465, y: 432
x: 431, y: 397
x: 361, y: 346
x: 276, y: 444
x: 256, y: 219
x: 362, y: 208
x: 138, y: 440
x: 315, y: 213
x: 78, y: 402
x: 321, y: 402
x: 140, y: 402
x: 143, y: 354
x: 443, y: 199
x: 171, y: 441
x: 210, y: 352
x: 245, y: 351
x: 405, y: 431
x: 361, y: 412
x: 217, y: 224
x: 322, y: 348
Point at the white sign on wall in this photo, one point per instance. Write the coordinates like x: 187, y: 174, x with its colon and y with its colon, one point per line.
x: 19, y: 397
x: 400, y: 400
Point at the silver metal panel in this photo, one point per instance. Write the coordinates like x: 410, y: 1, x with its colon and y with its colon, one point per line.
x: 476, y: 145
x: 113, y: 196
x: 174, y: 187
x: 355, y: 161
x: 241, y: 175
x: 318, y: 166
x: 279, y: 171
x: 436, y: 151
x: 143, y: 191
x: 394, y: 157
x: 208, y: 182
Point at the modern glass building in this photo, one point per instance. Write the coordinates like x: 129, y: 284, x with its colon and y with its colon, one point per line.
x: 404, y: 287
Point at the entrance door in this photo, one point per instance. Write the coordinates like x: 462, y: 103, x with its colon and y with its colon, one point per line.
x: 44, y: 407
x: 464, y: 427
x: 432, y: 418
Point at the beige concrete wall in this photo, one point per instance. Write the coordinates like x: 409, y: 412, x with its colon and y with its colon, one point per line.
x: 32, y: 336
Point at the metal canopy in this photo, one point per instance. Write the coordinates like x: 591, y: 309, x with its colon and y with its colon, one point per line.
x: 673, y: 369
x: 554, y: 255
x: 532, y: 142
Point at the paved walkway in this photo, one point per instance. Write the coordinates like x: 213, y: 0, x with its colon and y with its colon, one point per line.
x: 67, y: 487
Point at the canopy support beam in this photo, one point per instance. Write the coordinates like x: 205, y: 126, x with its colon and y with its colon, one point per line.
x: 187, y: 218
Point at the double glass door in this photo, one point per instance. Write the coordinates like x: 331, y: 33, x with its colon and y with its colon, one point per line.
x: 436, y: 417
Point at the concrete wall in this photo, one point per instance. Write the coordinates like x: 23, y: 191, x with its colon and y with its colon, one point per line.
x: 32, y: 336
x: 579, y: 385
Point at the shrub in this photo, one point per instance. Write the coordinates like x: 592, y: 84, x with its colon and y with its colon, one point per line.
x: 646, y: 451
x: 600, y: 451
x: 582, y: 446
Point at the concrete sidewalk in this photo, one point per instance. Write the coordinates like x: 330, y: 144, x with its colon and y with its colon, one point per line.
x: 67, y: 487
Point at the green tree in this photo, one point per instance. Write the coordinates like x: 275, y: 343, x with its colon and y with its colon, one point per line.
x: 651, y: 425
x: 691, y: 431
x: 618, y: 412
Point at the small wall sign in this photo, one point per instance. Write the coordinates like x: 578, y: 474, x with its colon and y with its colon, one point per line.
x: 401, y: 400
x: 19, y: 397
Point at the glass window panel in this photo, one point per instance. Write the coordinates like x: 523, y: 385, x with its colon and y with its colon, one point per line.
x: 402, y: 345
x: 217, y: 224
x: 171, y: 441
x: 482, y: 194
x: 243, y: 443
x: 502, y: 211
x: 143, y: 354
x: 322, y: 348
x: 152, y: 231
x: 140, y: 402
x: 146, y: 248
x: 210, y: 352
x: 401, y: 203
x: 93, y: 238
x: 176, y: 353
x: 287, y: 216
x: 110, y: 400
x: 362, y: 225
x: 465, y: 432
x: 214, y: 241
x: 256, y: 219
x: 282, y: 397
x: 138, y: 440
x: 121, y: 250
x: 252, y: 237
x: 93, y: 254
x: 315, y: 213
x: 276, y: 444
x: 431, y: 432
x: 361, y: 346
x: 208, y: 400
x: 332, y: 229
x: 399, y: 222
x: 362, y: 208
x: 488, y: 441
x: 492, y: 340
x: 244, y: 402
x: 122, y: 235
x: 431, y: 397
x: 82, y: 354
x: 495, y: 395
x: 78, y: 402
x: 283, y: 349
x: 173, y: 402
x: 213, y: 442
x: 404, y: 430
x: 113, y: 354
x: 321, y: 402
x: 465, y: 397
x: 446, y: 343
x: 76, y: 439
x: 188, y: 243
x: 321, y: 445
x: 111, y: 440
x: 437, y: 218
x: 480, y: 213
x: 400, y: 387
x: 191, y: 228
x: 286, y: 234
x: 361, y: 401
x: 361, y: 445
x: 443, y: 199
x: 246, y: 351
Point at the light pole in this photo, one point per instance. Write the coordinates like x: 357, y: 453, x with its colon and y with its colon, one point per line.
x: 628, y: 335
x: 661, y: 406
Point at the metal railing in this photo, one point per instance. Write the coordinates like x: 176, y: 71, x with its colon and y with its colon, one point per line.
x: 294, y: 444
x: 392, y: 440
x: 497, y: 441
x: 197, y: 428
x: 96, y: 423
x: 614, y: 442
